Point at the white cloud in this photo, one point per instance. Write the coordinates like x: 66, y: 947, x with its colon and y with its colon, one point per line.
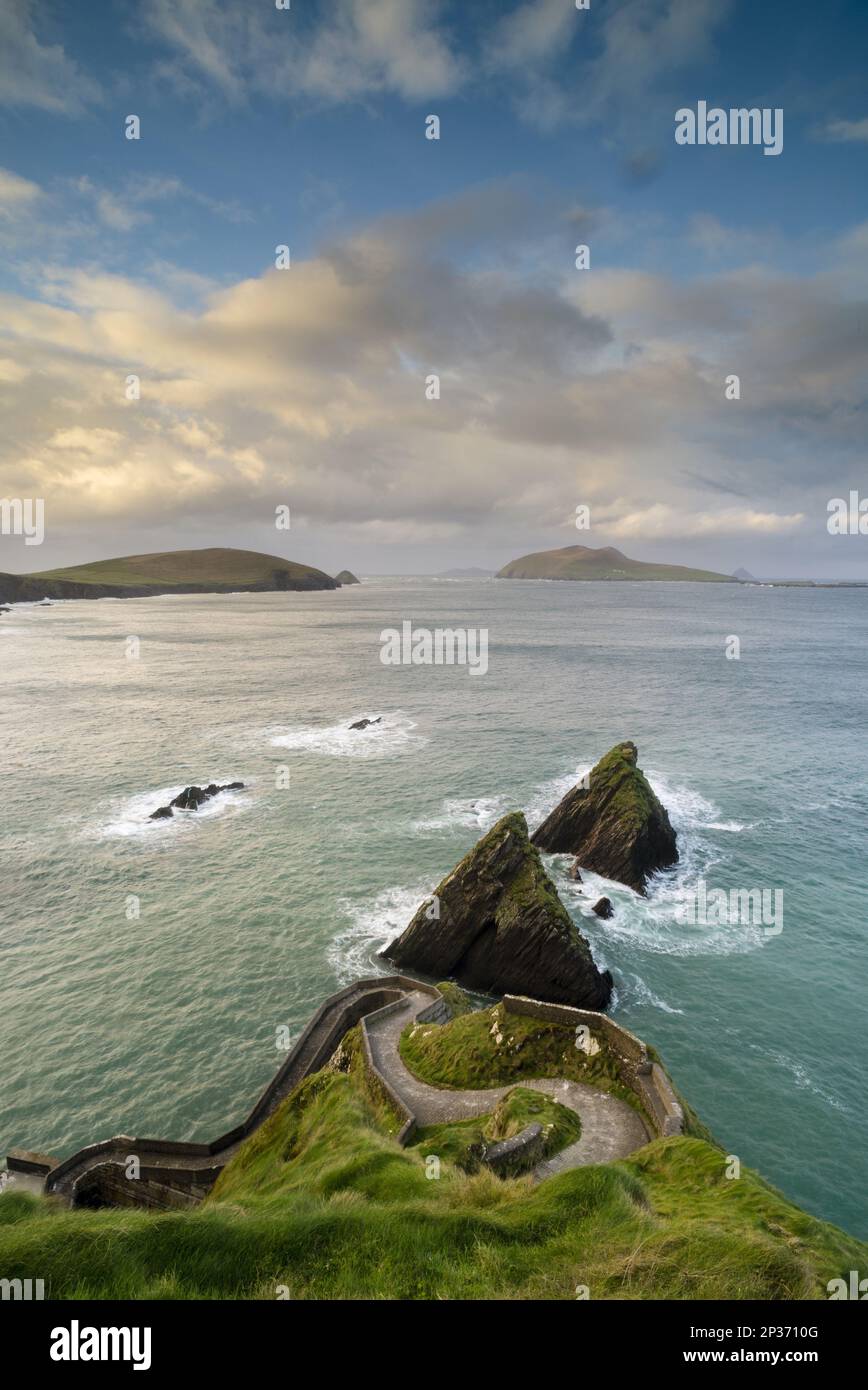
x: 16, y: 194
x: 847, y: 131
x: 308, y: 385
x: 662, y: 521
x: 624, y: 53
x: 33, y: 73
x: 359, y: 47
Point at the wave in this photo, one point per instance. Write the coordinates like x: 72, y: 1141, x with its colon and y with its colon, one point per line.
x: 801, y: 1076
x: 633, y: 992
x: 654, y: 923
x: 372, y: 925
x: 466, y: 813
x: 393, y: 736
x: 129, y: 817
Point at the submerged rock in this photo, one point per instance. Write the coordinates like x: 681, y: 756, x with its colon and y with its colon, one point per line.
x: 366, y: 723
x: 615, y: 826
x: 191, y: 798
x: 603, y: 907
x: 500, y: 927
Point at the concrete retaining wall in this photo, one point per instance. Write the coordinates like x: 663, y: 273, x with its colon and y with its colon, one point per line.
x: 196, y: 1166
x: 379, y: 1081
x: 509, y: 1157
x: 646, y: 1079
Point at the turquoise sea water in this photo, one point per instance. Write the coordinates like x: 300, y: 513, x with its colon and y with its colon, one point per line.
x: 259, y: 905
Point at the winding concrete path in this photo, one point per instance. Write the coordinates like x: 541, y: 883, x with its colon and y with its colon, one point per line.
x: 611, y: 1128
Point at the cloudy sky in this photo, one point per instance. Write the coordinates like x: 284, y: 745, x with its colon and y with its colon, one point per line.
x: 263, y: 387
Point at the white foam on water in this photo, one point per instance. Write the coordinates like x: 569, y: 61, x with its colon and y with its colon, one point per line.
x: 466, y: 813
x: 802, y: 1077
x: 654, y: 923
x: 547, y: 796
x: 633, y: 992
x: 129, y: 817
x: 390, y: 738
x: 372, y: 925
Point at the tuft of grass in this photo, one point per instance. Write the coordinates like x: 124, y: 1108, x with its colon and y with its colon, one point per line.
x: 463, y: 1142
x: 458, y: 1001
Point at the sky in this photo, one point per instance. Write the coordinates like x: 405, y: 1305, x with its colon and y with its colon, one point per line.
x: 309, y: 386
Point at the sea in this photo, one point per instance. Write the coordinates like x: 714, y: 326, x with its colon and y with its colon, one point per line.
x: 150, y: 972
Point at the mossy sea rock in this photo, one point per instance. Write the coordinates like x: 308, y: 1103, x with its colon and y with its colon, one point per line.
x: 615, y: 826
x: 498, y: 925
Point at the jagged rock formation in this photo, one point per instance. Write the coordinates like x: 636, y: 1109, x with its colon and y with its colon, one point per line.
x: 615, y: 826
x: 346, y: 577
x: 497, y: 924
x: 366, y: 723
x: 191, y: 798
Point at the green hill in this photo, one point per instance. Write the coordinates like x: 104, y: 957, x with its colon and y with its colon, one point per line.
x: 586, y: 562
x: 217, y: 570
x: 322, y: 1203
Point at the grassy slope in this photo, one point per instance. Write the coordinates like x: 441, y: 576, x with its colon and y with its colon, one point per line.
x: 219, y: 566
x: 321, y: 1201
x: 584, y: 562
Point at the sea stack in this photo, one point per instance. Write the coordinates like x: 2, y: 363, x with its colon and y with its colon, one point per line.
x: 346, y: 577
x: 496, y: 924
x: 615, y: 825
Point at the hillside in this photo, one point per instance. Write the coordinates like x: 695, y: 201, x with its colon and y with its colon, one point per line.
x: 321, y: 1202
x: 586, y: 562
x: 218, y: 570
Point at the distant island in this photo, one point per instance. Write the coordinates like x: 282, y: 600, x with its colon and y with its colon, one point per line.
x: 346, y: 577
x: 586, y: 562
x: 215, y: 571
x: 470, y: 573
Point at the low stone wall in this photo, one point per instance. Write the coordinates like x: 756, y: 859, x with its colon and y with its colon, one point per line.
x: 646, y: 1079
x: 509, y: 1157
x: 660, y: 1100
x: 107, y: 1185
x: 24, y: 1161
x: 379, y: 1081
x: 625, y: 1044
x: 438, y: 1012
x: 196, y: 1166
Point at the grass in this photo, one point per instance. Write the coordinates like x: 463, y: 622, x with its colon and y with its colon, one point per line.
x: 458, y: 1001
x: 626, y: 790
x: 463, y: 1143
x: 491, y: 1047
x: 322, y: 1202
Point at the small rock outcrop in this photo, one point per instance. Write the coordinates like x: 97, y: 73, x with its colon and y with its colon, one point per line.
x: 574, y: 872
x: 346, y: 577
x: 615, y: 826
x: 496, y: 924
x: 366, y: 723
x: 191, y: 798
x: 603, y: 907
